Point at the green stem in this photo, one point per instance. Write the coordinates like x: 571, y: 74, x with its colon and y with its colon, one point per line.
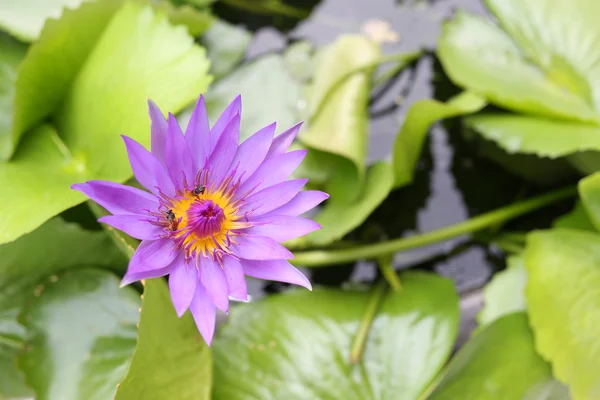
x: 268, y: 9
x: 402, y: 58
x: 10, y: 342
x: 396, y: 69
x: 389, y: 273
x: 319, y: 258
x: 374, y: 304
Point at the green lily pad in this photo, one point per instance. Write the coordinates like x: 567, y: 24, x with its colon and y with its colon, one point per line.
x: 505, y: 294
x: 534, y: 135
x: 499, y: 363
x: 163, y: 64
x: 589, y: 192
x: 12, y: 53
x: 575, y: 219
x: 535, y: 61
x: 226, y: 47
x: 269, y: 94
x: 56, y: 246
x: 338, y: 123
x: 171, y: 360
x: 25, y: 20
x: 296, y: 345
x: 563, y: 268
x: 76, y: 330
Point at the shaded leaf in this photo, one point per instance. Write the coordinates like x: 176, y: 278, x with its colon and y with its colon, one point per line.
x: 536, y: 61
x: 299, y: 60
x: 196, y: 21
x: 171, y: 360
x: 534, y: 135
x: 412, y: 134
x: 226, y: 47
x: 505, y: 294
x: 589, y: 192
x: 296, y: 345
x: 164, y: 65
x: 339, y: 120
x: 563, y: 268
x: 499, y: 363
x: 74, y: 327
x: 11, y: 54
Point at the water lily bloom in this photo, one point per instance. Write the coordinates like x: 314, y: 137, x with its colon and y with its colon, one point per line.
x: 214, y: 211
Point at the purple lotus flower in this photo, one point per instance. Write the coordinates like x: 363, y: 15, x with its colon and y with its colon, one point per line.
x: 215, y: 211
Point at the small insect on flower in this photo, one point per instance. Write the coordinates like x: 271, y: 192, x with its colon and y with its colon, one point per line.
x: 227, y: 223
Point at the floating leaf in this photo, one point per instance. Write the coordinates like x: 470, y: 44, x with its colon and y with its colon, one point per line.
x: 226, y: 47
x: 563, y: 268
x: 589, y: 191
x: 536, y: 61
x: 171, y: 360
x: 11, y: 54
x: 505, y: 294
x: 339, y: 119
x: 534, y: 135
x: 164, y: 65
x: 420, y: 117
x: 80, y: 336
x: 296, y: 345
x: 500, y: 362
x: 54, y: 247
x: 25, y: 20
x: 299, y: 60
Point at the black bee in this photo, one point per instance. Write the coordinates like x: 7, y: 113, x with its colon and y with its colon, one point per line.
x: 172, y: 220
x: 199, y: 190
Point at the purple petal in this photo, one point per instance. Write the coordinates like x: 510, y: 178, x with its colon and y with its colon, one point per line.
x: 234, y: 274
x: 283, y: 141
x: 155, y: 273
x: 272, y: 197
x: 197, y: 134
x: 133, y: 225
x: 150, y: 255
x: 283, y: 227
x: 301, y: 203
x: 182, y: 284
x: 224, y: 152
x: 204, y: 312
x: 178, y: 157
x: 148, y: 171
x: 117, y: 198
x: 235, y: 107
x: 275, y: 270
x: 274, y: 170
x: 213, y: 280
x: 253, y: 151
x: 260, y: 248
x: 158, y: 131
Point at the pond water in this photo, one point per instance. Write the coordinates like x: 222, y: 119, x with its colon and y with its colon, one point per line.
x: 453, y: 182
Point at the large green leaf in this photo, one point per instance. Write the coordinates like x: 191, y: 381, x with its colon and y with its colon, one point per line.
x: 499, y: 363
x: 162, y: 63
x: 540, y: 59
x: 80, y: 336
x: 563, y: 268
x: 171, y: 360
x: 589, y: 191
x: 505, y: 294
x: 11, y: 54
x: 269, y: 94
x: 25, y: 263
x: 25, y: 19
x: 226, y: 47
x: 577, y: 218
x: 296, y: 345
x: 412, y: 134
x: 534, y: 135
x: 338, y: 121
